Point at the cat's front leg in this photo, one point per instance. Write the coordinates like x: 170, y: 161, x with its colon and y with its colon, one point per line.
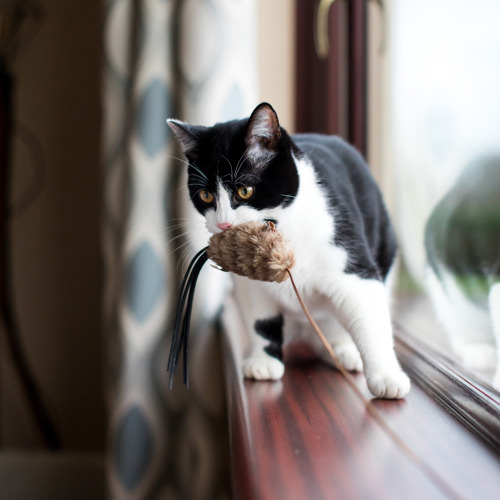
x: 263, y: 358
x: 342, y: 343
x: 363, y: 309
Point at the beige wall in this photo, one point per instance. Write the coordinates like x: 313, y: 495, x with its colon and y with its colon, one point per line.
x: 276, y: 54
x: 378, y: 94
x: 55, y: 241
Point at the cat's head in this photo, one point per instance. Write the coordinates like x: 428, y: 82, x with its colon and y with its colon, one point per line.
x: 239, y: 171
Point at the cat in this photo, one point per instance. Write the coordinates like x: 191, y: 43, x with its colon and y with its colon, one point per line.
x: 462, y: 240
x: 319, y: 192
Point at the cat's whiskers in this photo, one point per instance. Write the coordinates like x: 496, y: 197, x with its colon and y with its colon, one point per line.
x: 191, y: 165
x: 224, y: 176
x: 184, y: 186
x: 189, y: 236
x: 194, y: 184
x: 199, y: 171
x: 188, y: 241
x: 173, y: 227
x: 247, y: 176
x: 231, y: 167
x: 199, y: 191
x: 176, y: 219
x: 186, y: 224
x: 190, y: 247
x: 197, y: 176
x: 167, y: 233
x: 180, y: 159
x: 241, y: 162
x: 179, y: 236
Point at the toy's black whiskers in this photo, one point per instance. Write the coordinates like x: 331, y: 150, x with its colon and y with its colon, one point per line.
x: 180, y: 336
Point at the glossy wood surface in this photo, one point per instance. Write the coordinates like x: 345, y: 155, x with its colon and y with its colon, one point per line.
x: 308, y: 436
x: 470, y: 399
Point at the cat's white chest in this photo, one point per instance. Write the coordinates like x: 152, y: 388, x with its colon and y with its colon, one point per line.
x: 310, y: 227
x: 315, y: 270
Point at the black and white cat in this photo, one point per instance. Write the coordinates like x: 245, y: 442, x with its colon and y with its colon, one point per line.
x: 320, y: 193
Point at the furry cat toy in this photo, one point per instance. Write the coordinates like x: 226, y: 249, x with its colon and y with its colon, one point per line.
x: 319, y: 193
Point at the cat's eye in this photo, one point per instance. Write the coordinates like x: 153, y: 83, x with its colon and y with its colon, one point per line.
x: 245, y: 192
x: 206, y: 196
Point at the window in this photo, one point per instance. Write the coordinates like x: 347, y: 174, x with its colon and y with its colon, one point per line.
x: 444, y: 150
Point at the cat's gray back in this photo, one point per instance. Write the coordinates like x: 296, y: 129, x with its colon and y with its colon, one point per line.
x: 363, y: 227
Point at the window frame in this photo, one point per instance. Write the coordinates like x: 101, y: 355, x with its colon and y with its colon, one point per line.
x: 467, y: 396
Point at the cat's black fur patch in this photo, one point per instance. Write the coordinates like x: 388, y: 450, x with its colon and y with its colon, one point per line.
x: 362, y: 225
x: 220, y: 156
x: 272, y: 330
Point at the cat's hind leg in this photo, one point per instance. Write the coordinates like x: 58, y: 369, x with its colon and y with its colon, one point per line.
x: 263, y: 357
x: 264, y: 361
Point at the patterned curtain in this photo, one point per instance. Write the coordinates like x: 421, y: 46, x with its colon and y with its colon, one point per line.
x: 193, y: 60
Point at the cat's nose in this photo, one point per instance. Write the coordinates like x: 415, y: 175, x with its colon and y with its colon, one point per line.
x: 224, y: 225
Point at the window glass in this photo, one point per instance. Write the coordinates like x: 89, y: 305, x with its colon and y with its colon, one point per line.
x: 445, y: 159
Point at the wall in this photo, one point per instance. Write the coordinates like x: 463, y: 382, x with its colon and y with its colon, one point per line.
x: 379, y: 95
x: 55, y: 241
x: 276, y: 52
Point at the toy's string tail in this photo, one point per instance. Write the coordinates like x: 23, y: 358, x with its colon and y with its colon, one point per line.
x: 370, y: 407
x: 180, y: 337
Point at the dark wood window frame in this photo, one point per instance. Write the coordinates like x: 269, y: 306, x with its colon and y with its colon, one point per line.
x: 331, y: 86
x: 467, y: 396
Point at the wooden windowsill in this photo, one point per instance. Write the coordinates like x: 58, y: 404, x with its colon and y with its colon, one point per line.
x: 308, y: 436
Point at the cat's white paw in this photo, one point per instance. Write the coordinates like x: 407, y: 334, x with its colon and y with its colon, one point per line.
x: 263, y: 368
x: 394, y: 385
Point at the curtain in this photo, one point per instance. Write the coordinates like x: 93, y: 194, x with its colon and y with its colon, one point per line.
x: 193, y: 60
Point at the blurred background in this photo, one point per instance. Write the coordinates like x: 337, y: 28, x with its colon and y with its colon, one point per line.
x: 91, y: 204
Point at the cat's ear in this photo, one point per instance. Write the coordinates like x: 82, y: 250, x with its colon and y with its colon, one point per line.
x: 187, y: 135
x: 263, y: 133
